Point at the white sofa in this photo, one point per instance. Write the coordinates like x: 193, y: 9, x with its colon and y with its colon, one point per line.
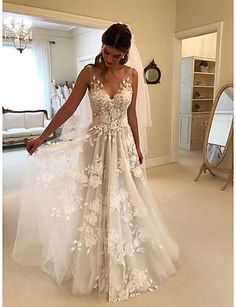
x: 20, y: 126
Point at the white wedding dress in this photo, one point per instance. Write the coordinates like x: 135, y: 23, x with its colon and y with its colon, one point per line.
x: 87, y: 213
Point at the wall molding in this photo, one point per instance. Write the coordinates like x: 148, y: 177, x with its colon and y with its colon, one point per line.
x: 56, y: 15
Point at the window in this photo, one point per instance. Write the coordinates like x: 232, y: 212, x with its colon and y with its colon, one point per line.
x: 21, y: 88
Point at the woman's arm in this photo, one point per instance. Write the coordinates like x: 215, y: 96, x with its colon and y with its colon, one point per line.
x: 70, y: 105
x: 64, y: 112
x: 132, y: 116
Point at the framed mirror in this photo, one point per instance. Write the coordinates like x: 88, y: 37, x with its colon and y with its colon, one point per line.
x: 218, y: 132
x: 220, y: 129
x: 152, y: 73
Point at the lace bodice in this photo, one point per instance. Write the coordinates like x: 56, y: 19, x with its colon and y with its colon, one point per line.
x: 109, y: 113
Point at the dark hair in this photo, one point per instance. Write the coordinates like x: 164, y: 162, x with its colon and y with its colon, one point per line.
x: 117, y: 36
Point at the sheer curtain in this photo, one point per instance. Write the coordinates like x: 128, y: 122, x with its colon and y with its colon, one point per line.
x: 41, y: 58
x: 26, y: 77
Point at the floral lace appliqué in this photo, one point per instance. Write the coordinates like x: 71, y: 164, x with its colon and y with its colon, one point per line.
x: 136, y: 281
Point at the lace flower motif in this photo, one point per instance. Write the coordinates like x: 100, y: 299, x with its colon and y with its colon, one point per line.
x: 89, y: 231
x: 92, y: 174
x: 136, y: 280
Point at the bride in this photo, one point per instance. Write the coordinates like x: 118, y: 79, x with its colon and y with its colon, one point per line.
x: 87, y: 213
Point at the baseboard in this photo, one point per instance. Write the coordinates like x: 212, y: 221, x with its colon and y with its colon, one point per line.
x: 160, y: 161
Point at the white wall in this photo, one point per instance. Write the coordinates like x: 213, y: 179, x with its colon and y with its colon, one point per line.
x: 202, y: 46
x: 63, y: 56
x: 87, y: 44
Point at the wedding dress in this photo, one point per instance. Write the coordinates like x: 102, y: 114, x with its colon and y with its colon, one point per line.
x: 87, y: 213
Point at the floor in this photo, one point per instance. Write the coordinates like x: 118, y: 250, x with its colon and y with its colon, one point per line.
x: 198, y: 214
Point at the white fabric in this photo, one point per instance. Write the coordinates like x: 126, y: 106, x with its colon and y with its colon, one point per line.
x: 3, y: 123
x: 66, y: 91
x: 87, y: 213
x: 41, y: 55
x: 46, y: 122
x: 6, y: 134
x: 14, y: 120
x: 53, y: 88
x: 37, y: 130
x: 16, y: 132
x: 34, y: 119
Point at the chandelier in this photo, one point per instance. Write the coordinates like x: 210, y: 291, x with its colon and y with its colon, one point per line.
x: 19, y: 31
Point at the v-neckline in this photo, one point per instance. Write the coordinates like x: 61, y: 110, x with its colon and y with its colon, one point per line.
x: 102, y: 87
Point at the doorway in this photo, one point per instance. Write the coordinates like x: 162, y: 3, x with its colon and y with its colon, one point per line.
x: 197, y: 90
x: 194, y: 42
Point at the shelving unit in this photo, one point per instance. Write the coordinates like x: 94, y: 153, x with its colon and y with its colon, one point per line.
x: 196, y: 100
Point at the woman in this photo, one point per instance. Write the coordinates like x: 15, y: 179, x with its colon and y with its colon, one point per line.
x: 91, y: 217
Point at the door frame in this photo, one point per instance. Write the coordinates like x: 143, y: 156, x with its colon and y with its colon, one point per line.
x: 178, y: 36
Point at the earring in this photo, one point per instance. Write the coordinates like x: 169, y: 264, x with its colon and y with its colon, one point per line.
x: 100, y: 58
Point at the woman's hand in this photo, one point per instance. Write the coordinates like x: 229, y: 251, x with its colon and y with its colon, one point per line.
x: 33, y: 144
x: 140, y: 156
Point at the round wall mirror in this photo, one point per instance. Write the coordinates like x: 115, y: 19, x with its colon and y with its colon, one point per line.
x: 152, y: 73
x: 219, y: 127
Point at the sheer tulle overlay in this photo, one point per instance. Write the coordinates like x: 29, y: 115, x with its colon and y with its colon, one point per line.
x: 87, y: 213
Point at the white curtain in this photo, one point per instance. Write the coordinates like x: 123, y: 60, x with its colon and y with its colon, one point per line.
x: 25, y: 82
x: 41, y: 56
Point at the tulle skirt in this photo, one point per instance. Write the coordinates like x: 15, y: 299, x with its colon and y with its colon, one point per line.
x: 87, y: 214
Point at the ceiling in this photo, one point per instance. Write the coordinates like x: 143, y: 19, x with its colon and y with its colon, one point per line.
x: 41, y: 23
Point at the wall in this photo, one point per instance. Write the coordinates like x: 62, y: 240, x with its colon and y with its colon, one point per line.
x: 88, y: 43
x: 153, y: 25
x: 191, y: 14
x: 203, y: 46
x: 63, y: 55
x: 68, y: 46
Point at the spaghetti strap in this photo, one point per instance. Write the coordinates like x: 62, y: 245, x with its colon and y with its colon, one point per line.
x: 90, y: 67
x: 90, y: 70
x: 130, y: 75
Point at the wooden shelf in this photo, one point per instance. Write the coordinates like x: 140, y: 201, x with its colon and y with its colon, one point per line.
x: 201, y: 112
x: 204, y: 73
x: 203, y: 86
x: 198, y: 58
x: 201, y: 99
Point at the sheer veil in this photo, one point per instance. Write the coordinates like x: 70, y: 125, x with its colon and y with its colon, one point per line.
x: 82, y: 117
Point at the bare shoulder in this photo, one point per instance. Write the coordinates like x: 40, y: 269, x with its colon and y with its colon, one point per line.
x: 134, y: 77
x: 134, y: 73
x: 86, y: 70
x: 84, y: 75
